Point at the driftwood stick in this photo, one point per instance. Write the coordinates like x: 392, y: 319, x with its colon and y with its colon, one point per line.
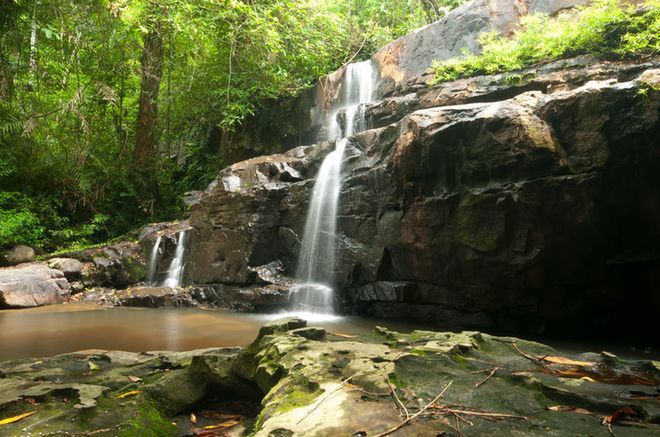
x: 411, y: 418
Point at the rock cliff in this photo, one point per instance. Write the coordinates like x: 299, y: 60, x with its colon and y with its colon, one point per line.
x: 523, y: 201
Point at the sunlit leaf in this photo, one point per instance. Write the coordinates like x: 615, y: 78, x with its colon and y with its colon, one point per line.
x: 16, y: 418
x: 227, y: 424
x: 129, y: 393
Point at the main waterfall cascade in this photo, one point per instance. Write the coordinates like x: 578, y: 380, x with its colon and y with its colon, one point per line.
x: 175, y: 271
x: 317, y: 260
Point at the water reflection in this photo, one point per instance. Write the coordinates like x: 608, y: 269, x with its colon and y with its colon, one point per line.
x: 58, y: 329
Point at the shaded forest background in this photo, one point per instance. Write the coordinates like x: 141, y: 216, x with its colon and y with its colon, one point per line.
x: 106, y: 106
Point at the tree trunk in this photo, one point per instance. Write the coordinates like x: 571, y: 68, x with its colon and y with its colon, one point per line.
x: 152, y: 72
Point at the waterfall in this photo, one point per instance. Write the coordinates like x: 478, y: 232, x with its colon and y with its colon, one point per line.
x: 175, y: 271
x: 317, y: 261
x: 152, y: 267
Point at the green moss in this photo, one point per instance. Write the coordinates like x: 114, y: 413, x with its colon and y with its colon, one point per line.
x: 296, y: 399
x: 136, y: 270
x: 396, y: 380
x: 147, y: 422
x: 460, y: 361
x: 418, y: 351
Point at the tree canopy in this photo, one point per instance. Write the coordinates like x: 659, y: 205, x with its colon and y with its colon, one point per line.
x: 89, y: 90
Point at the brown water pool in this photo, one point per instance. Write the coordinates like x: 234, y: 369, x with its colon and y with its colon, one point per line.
x: 52, y: 330
x: 57, y: 329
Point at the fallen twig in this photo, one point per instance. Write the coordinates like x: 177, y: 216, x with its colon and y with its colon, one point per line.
x: 458, y: 425
x: 442, y: 409
x: 367, y: 392
x: 397, y: 400
x: 490, y: 375
x: 98, y: 431
x: 464, y: 419
x: 538, y: 362
x: 411, y: 418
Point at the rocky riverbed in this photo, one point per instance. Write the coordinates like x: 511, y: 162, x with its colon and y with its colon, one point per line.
x: 295, y: 379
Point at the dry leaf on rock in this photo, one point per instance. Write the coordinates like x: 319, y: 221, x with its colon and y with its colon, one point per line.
x: 339, y: 334
x: 623, y: 414
x: 566, y: 361
x: 566, y: 408
x: 129, y: 393
x: 16, y: 418
x: 227, y: 424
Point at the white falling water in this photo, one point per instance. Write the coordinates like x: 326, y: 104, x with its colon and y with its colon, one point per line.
x: 152, y: 267
x: 175, y: 271
x: 317, y: 262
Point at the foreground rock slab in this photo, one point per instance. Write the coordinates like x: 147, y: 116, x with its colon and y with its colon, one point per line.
x: 316, y: 383
x: 30, y: 285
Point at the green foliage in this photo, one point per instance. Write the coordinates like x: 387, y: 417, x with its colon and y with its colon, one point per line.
x: 70, y: 75
x: 19, y: 224
x: 605, y: 28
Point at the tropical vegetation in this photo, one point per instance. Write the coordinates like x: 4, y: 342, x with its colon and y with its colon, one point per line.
x: 608, y: 29
x: 106, y: 105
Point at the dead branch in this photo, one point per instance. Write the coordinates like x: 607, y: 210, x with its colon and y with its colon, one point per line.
x: 441, y: 409
x: 411, y: 418
x: 397, y: 400
x: 490, y: 375
x: 464, y: 419
x: 458, y: 425
x: 538, y: 362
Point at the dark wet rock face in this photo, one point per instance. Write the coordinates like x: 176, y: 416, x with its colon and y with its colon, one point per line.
x: 527, y: 206
x: 524, y: 213
x: 521, y: 202
x: 251, y: 215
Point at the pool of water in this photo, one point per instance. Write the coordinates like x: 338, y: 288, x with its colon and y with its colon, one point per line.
x: 52, y: 330
x: 57, y: 329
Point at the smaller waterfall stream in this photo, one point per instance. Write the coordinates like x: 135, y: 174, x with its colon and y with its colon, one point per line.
x: 175, y: 271
x: 152, y: 267
x: 317, y: 260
